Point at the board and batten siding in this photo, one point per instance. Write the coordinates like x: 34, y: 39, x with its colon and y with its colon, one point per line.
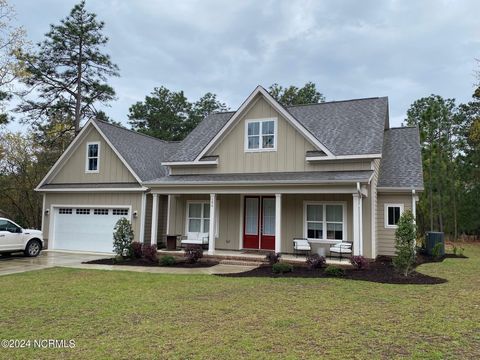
x: 111, y: 168
x: 288, y: 157
x: 162, y: 219
x: 386, y: 236
x: 95, y: 199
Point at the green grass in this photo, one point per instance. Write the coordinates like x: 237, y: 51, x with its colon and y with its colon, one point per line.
x: 140, y: 316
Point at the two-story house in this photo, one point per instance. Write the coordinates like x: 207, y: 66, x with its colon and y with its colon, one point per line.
x: 255, y: 178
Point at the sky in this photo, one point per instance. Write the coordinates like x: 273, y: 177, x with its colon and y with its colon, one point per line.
x: 350, y: 49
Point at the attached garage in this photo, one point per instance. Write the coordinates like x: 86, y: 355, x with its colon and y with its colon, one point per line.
x: 86, y: 228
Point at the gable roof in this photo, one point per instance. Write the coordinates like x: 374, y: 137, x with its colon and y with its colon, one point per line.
x: 401, y: 164
x: 352, y: 127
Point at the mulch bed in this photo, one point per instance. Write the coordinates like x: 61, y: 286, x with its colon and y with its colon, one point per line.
x: 143, y: 262
x: 379, y: 271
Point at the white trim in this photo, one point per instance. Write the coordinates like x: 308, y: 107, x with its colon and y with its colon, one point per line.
x: 169, y: 204
x: 217, y: 215
x: 253, y: 182
x: 87, y: 157
x: 268, y: 190
x: 260, y: 121
x: 324, y: 218
x: 75, y: 144
x: 142, y: 218
x: 212, y: 228
x: 190, y: 163
x: 343, y: 157
x: 242, y: 219
x: 154, y: 227
x: 373, y: 218
x: 356, y: 224
x: 278, y: 223
x: 385, y: 214
x: 51, y: 229
x: 278, y: 108
x: 93, y: 189
x: 43, y: 211
x: 399, y: 189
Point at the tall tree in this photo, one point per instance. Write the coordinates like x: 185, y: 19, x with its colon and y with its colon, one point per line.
x: 12, y: 39
x: 292, y: 95
x: 169, y: 115
x: 68, y: 73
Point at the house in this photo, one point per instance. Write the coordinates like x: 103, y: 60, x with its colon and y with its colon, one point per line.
x: 255, y: 178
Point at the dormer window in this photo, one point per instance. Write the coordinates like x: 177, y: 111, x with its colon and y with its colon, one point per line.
x: 93, y: 157
x: 261, y: 135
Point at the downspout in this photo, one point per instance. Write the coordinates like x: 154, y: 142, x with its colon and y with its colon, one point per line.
x: 360, y: 218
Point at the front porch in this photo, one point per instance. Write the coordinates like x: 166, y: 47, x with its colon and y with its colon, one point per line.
x: 249, y: 221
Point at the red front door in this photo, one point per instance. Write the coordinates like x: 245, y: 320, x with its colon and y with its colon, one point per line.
x: 259, y: 223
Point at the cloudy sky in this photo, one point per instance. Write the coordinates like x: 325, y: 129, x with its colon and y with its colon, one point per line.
x: 350, y: 49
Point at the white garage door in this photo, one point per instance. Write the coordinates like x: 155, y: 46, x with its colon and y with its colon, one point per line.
x: 86, y: 229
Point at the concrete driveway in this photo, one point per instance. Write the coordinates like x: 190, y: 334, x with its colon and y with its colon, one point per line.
x: 17, y: 263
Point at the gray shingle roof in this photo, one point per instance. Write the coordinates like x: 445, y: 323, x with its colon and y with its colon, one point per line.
x: 143, y: 153
x: 351, y: 127
x: 274, y: 177
x: 401, y: 164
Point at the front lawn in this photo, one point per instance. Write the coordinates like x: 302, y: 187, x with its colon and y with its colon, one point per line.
x: 117, y: 314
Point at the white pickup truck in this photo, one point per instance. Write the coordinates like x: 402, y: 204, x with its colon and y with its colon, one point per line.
x: 13, y: 238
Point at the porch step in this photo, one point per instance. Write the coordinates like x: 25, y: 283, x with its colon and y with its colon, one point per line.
x: 241, y: 262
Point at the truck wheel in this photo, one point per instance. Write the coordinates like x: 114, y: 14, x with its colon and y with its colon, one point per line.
x: 33, y: 248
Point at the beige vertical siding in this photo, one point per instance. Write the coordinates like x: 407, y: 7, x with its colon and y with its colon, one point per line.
x: 374, y: 202
x: 386, y: 236
x: 162, y: 219
x: 111, y: 169
x: 101, y: 199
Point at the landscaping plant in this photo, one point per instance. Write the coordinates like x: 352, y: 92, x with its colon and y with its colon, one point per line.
x: 280, y: 268
x: 136, y: 250
x: 193, y: 253
x: 315, y: 261
x: 334, y: 271
x: 273, y: 257
x: 436, y: 251
x: 359, y: 262
x: 405, y: 235
x: 122, y: 238
x: 150, y: 252
x: 167, y: 260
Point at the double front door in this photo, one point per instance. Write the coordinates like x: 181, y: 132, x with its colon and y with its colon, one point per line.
x: 259, y: 223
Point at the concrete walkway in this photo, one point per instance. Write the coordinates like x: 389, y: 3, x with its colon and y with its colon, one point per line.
x: 18, y: 263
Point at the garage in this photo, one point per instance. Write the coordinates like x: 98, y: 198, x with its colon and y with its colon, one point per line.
x: 86, y: 228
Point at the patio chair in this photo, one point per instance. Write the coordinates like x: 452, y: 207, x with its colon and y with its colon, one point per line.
x: 195, y: 239
x: 342, y: 248
x: 301, y: 244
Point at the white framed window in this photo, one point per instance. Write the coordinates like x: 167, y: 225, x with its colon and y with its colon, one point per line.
x: 82, y: 211
x: 100, y: 211
x: 92, y: 163
x: 198, y: 217
x: 261, y: 134
x: 122, y: 212
x: 65, y: 211
x: 392, y: 214
x: 325, y: 220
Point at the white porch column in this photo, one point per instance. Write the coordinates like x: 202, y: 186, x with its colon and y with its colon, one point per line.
x: 211, y: 230
x: 153, y: 238
x: 278, y: 223
x: 360, y: 224
x: 356, y: 224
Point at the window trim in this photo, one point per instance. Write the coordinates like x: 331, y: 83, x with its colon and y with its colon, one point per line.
x: 202, y: 202
x: 324, y: 220
x: 385, y: 214
x: 87, y: 157
x: 261, y: 121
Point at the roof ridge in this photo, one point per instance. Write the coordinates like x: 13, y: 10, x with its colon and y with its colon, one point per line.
x: 337, y: 101
x: 133, y: 131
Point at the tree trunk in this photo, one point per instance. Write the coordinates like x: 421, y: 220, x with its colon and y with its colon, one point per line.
x: 78, y: 100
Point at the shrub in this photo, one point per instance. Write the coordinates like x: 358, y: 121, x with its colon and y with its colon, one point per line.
x: 334, y: 271
x: 150, y: 252
x: 437, y: 251
x: 193, y: 253
x: 280, y: 268
x: 405, y: 235
x: 167, y: 260
x: 359, y: 262
x: 137, y: 249
x: 316, y: 261
x: 122, y: 238
x: 273, y: 257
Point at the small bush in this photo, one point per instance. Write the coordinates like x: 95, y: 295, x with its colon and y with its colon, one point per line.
x: 334, y: 271
x: 273, y: 258
x: 193, y: 253
x: 359, y: 262
x: 437, y: 251
x: 315, y: 261
x: 137, y: 249
x: 122, y: 238
x: 280, y: 268
x: 405, y: 235
x: 167, y: 260
x: 150, y: 252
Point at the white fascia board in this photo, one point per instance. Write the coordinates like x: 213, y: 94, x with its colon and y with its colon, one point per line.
x: 343, y: 157
x: 399, y: 189
x: 92, y: 190
x: 294, y: 122
x: 258, y: 182
x: 190, y: 163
